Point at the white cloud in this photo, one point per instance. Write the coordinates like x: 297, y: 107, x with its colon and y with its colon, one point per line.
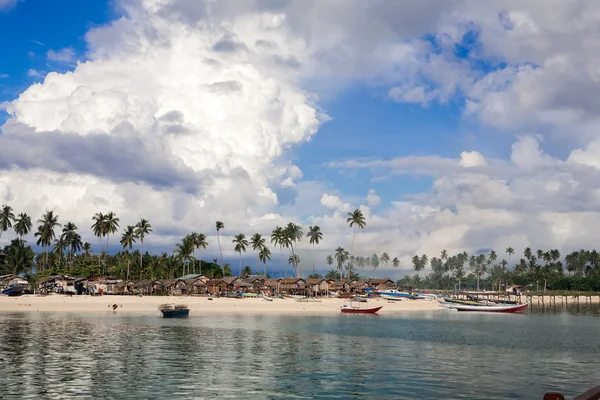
x: 4, y: 4
x: 334, y: 202
x: 4, y: 76
x: 66, y: 55
x: 34, y: 73
x: 372, y: 198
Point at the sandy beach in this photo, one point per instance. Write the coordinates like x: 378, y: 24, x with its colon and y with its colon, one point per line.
x: 198, y: 305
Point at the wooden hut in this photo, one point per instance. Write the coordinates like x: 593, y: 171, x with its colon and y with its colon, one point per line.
x: 197, y: 285
x: 382, y: 284
x: 57, y: 284
x: 296, y: 286
x: 125, y: 287
x: 341, y: 287
x: 229, y: 284
x: 317, y: 287
x: 174, y: 287
x: 272, y: 286
x: 148, y: 287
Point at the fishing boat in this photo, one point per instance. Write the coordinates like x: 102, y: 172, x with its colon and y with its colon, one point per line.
x: 13, y: 290
x: 509, y: 308
x: 393, y: 293
x: 354, y: 308
x: 174, y: 311
x: 391, y: 298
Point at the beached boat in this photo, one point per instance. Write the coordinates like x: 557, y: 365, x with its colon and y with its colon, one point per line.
x: 393, y: 293
x: 499, y: 308
x: 174, y: 311
x: 358, y: 310
x: 391, y: 298
x: 13, y: 290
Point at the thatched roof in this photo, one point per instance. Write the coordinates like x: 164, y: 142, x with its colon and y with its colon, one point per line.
x: 272, y: 282
x: 198, y: 282
x: 144, y: 283
x: 287, y: 281
x: 380, y: 281
x: 171, y: 282
x: 314, y: 281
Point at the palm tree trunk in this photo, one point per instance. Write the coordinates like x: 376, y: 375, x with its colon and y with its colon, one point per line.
x: 99, y: 253
x: 240, y: 274
x: 142, y: 258
x: 313, y: 258
x: 283, y: 262
x: 128, y: 260
x: 351, y: 250
x: 220, y: 252
x: 200, y: 266
x: 477, y: 281
x: 374, y: 268
x: 265, y: 267
x: 293, y: 260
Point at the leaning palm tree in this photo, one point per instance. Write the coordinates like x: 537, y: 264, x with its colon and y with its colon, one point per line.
x: 45, y: 233
x: 264, y: 255
x: 99, y: 230
x: 6, y: 218
x: 292, y: 234
x: 142, y: 229
x: 257, y: 242
x: 128, y: 238
x: 355, y: 219
x: 278, y: 239
x: 240, y: 245
x: 315, y: 235
x: 220, y: 226
x: 199, y: 243
x: 112, y: 225
x: 22, y: 225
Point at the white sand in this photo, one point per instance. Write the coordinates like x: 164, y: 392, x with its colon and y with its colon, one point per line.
x: 197, y: 305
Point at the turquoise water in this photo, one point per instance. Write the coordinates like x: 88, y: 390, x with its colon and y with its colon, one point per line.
x: 429, y: 355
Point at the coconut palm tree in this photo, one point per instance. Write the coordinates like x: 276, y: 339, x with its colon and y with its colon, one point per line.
x: 59, y: 249
x: 385, y: 258
x: 142, y: 229
x: 87, y: 249
x: 99, y: 230
x: 510, y: 251
x: 341, y: 256
x: 19, y: 257
x: 22, y: 225
x: 278, y: 239
x: 315, y: 235
x: 6, y: 218
x: 68, y: 237
x: 396, y: 262
x: 329, y: 260
x: 264, y: 255
x: 293, y: 233
x: 199, y: 243
x: 220, y: 226
x: 112, y: 225
x: 45, y: 233
x: 355, y: 219
x: 184, y: 252
x: 374, y: 263
x: 293, y: 259
x: 128, y: 238
x: 257, y: 242
x: 240, y: 246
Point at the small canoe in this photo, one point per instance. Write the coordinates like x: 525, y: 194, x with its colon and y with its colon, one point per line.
x: 355, y: 310
x: 509, y: 308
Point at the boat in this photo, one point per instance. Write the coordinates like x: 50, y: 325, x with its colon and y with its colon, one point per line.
x: 174, y: 311
x: 357, y: 310
x: 509, y: 308
x: 393, y: 293
x: 13, y: 290
x: 391, y: 298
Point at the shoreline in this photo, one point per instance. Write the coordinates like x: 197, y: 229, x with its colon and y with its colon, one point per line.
x: 98, y: 305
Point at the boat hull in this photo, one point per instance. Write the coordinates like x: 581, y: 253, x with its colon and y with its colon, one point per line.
x: 348, y: 310
x: 175, y: 313
x: 13, y: 291
x: 518, y: 308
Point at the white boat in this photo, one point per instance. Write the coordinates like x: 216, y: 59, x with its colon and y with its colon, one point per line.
x: 499, y: 308
x: 392, y: 298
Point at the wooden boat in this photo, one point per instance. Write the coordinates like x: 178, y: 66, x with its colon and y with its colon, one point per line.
x: 509, y: 308
x: 174, y: 311
x: 13, y: 290
x: 592, y: 394
x: 356, y: 310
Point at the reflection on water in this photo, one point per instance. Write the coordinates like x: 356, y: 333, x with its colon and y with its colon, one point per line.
x: 431, y: 355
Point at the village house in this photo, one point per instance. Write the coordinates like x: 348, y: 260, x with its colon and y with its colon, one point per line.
x: 272, y: 286
x: 382, y: 284
x: 361, y: 286
x: 341, y: 286
x: 317, y: 287
x: 125, y: 287
x: 148, y: 287
x: 12, y: 279
x: 197, y: 285
x: 174, y: 287
x: 296, y: 286
x: 57, y: 284
x: 229, y: 284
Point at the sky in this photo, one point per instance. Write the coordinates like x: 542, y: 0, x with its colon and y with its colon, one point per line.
x: 456, y: 125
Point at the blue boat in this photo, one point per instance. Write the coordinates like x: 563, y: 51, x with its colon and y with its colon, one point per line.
x: 174, y: 311
x: 13, y: 290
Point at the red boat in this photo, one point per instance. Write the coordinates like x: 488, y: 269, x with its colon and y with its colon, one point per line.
x: 356, y: 310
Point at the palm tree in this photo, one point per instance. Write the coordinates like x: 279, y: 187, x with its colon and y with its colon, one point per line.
x: 6, y: 218
x: 355, y: 219
x: 200, y: 243
x: 340, y: 257
x: 184, y: 252
x: 112, y: 225
x: 396, y: 262
x: 45, y: 232
x: 142, y: 229
x: 293, y: 259
x: 99, y: 230
x: 278, y: 239
x: 315, y: 235
x: 68, y: 237
x: 22, y: 225
x: 257, y: 242
x: 240, y: 245
x: 220, y: 226
x: 292, y: 234
x: 510, y: 251
x: 59, y: 249
x: 87, y: 249
x: 385, y: 258
x: 374, y: 263
x: 128, y: 238
x: 329, y: 260
x: 264, y: 255
x: 19, y: 257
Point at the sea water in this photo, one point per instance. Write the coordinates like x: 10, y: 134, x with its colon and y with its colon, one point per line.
x: 429, y: 355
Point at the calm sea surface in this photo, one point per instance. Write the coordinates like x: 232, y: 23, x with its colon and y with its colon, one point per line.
x: 434, y: 355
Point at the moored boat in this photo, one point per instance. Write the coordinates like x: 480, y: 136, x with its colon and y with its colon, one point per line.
x: 509, y: 308
x: 174, y: 311
x: 13, y: 290
x: 356, y: 310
